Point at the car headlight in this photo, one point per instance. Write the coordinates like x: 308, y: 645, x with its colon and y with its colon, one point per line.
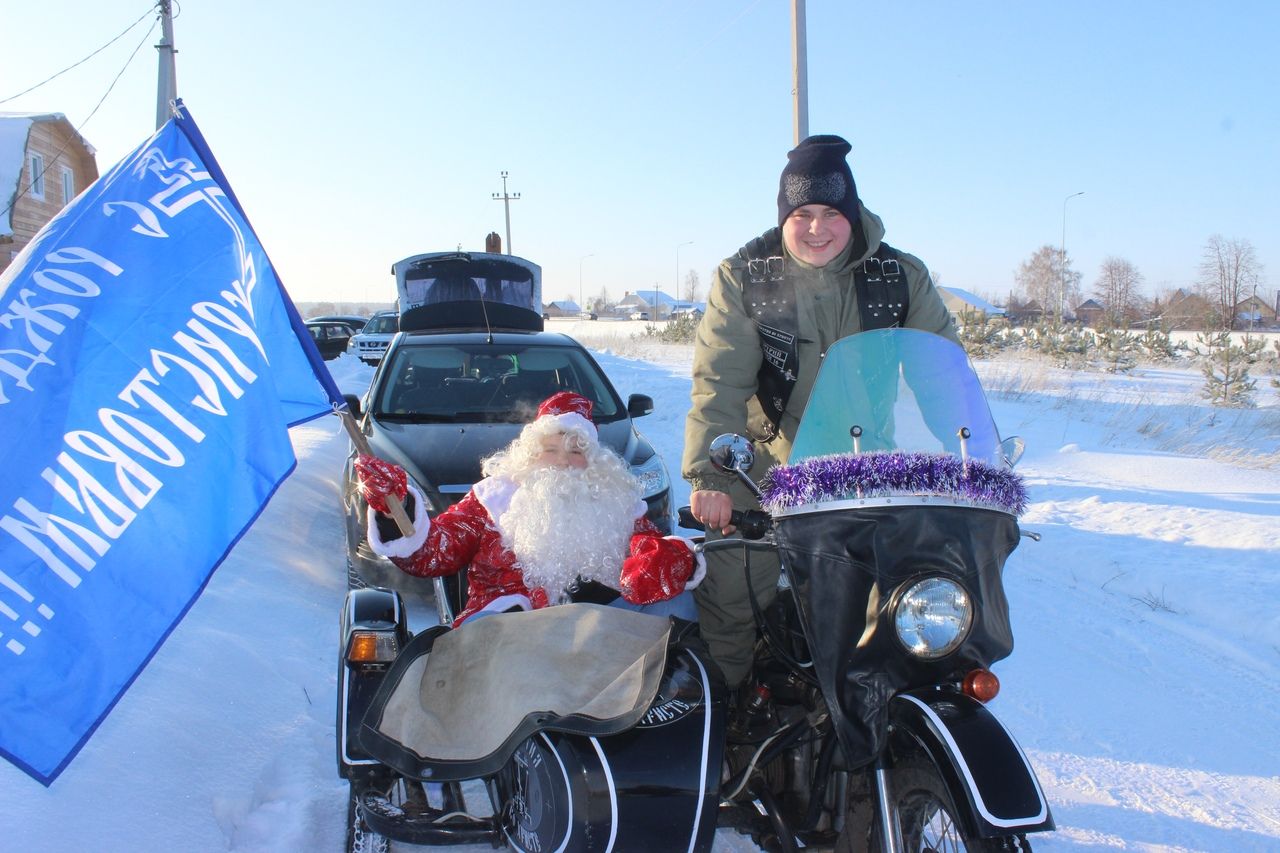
x: 933, y: 617
x: 652, y: 475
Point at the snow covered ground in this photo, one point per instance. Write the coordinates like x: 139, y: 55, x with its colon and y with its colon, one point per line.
x: 1143, y: 685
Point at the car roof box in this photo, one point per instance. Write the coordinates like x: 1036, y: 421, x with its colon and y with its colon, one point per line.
x: 468, y: 290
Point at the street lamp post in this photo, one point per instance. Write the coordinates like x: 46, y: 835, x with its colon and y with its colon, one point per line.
x: 685, y: 243
x: 582, y: 303
x: 1062, y: 258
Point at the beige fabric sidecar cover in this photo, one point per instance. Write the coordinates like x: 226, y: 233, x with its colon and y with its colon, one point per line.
x: 456, y: 703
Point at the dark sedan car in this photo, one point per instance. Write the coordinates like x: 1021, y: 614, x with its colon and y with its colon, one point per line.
x: 331, y: 337
x: 442, y: 401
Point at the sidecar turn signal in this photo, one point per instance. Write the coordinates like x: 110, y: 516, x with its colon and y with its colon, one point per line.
x: 372, y: 647
x: 981, y: 684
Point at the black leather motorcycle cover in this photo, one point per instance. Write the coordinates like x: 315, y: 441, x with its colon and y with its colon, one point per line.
x: 848, y: 565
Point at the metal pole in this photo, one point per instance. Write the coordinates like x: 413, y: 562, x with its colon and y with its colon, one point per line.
x: 1062, y: 258
x: 685, y: 243
x: 506, y: 203
x: 799, y: 71
x: 582, y: 302
x: 167, y: 84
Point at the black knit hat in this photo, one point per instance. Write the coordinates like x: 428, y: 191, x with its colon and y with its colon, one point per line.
x: 817, y: 173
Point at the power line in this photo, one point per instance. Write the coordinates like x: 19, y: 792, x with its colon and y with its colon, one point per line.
x: 58, y: 154
x: 82, y: 61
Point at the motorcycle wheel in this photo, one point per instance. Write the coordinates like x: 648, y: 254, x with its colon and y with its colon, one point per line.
x: 926, y: 816
x: 360, y: 838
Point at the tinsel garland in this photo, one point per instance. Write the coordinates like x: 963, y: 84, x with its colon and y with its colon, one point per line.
x: 848, y: 476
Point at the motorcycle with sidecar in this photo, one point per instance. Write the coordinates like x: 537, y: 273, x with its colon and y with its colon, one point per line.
x: 863, y: 724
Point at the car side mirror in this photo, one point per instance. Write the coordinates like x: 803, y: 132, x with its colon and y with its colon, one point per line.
x: 639, y: 405
x: 353, y: 403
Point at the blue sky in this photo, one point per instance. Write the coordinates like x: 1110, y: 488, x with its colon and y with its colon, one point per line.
x: 358, y: 134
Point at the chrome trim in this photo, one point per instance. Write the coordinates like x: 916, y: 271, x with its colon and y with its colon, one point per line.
x: 887, y: 500
x: 613, y: 795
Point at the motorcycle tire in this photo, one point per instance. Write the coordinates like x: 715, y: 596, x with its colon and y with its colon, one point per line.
x: 925, y: 814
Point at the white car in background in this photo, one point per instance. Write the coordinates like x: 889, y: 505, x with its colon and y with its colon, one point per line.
x: 373, y: 339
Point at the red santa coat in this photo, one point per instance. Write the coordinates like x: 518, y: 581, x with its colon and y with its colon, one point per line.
x: 656, y: 568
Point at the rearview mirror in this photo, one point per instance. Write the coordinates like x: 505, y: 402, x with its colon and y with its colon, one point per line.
x: 731, y: 453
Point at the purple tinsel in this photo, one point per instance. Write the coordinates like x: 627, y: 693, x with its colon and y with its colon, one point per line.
x: 847, y: 476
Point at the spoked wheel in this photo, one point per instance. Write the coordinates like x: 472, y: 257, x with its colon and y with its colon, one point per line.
x: 926, y: 816
x: 360, y: 838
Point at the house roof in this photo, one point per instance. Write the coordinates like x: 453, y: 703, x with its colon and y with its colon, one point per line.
x: 655, y: 297
x: 958, y: 299
x: 15, y: 128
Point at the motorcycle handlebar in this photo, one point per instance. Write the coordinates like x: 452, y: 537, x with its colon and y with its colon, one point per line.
x: 751, y: 523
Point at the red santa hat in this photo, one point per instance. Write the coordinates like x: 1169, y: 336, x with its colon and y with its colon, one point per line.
x: 569, y: 411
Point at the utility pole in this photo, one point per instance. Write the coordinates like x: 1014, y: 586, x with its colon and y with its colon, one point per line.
x: 582, y: 302
x: 799, y: 71
x: 506, y: 204
x: 167, y: 88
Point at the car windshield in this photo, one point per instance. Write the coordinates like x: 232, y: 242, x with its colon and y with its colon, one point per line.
x: 386, y: 324
x: 483, y: 382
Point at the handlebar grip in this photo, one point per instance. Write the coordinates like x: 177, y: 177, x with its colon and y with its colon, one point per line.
x: 752, y: 523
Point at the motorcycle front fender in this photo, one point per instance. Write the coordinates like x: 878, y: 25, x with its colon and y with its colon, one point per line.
x: 991, y: 782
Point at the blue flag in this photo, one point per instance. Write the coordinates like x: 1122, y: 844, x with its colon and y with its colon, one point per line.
x: 150, y: 366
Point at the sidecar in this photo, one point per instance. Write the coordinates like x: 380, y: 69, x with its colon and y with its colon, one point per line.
x: 576, y: 727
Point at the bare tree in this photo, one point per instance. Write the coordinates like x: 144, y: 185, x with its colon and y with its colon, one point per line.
x: 1047, y: 278
x: 691, y: 286
x: 1117, y: 290
x: 1229, y: 271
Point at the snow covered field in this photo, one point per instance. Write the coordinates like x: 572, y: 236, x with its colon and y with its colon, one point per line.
x: 1143, y: 684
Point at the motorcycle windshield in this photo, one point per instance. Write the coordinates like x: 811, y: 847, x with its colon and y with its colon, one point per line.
x: 904, y: 390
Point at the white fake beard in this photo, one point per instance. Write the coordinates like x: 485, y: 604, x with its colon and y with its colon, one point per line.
x: 566, y: 523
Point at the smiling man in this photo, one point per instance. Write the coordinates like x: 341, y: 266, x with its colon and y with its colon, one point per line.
x: 774, y: 308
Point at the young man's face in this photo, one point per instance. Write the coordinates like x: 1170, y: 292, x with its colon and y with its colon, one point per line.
x: 816, y: 233
x: 558, y: 453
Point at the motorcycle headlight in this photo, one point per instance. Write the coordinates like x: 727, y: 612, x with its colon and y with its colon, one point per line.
x: 933, y: 617
x: 652, y: 475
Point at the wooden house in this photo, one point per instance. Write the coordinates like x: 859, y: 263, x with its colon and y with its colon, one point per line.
x: 44, y: 164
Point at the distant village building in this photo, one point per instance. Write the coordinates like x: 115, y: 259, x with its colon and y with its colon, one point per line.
x: 44, y: 164
x: 656, y: 304
x: 1185, y: 311
x: 962, y: 304
x: 1255, y: 313
x: 562, y: 308
x: 1090, y: 313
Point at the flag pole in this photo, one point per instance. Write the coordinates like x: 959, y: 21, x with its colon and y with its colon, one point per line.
x: 362, y: 445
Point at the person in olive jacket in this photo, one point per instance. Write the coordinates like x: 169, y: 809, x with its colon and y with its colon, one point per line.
x: 774, y: 308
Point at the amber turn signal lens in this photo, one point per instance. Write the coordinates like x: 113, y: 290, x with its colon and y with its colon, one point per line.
x: 371, y: 647
x: 981, y: 684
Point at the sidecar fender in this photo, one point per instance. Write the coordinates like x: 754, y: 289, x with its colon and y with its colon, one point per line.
x: 991, y: 782
x: 369, y: 609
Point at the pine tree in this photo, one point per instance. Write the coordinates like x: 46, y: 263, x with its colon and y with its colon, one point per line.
x: 1157, y: 345
x: 1116, y: 349
x: 980, y: 336
x: 1226, y: 371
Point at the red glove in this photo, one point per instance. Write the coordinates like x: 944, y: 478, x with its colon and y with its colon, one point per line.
x: 657, y: 570
x: 379, y: 478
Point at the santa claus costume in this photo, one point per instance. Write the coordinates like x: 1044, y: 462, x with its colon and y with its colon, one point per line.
x: 532, y: 534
